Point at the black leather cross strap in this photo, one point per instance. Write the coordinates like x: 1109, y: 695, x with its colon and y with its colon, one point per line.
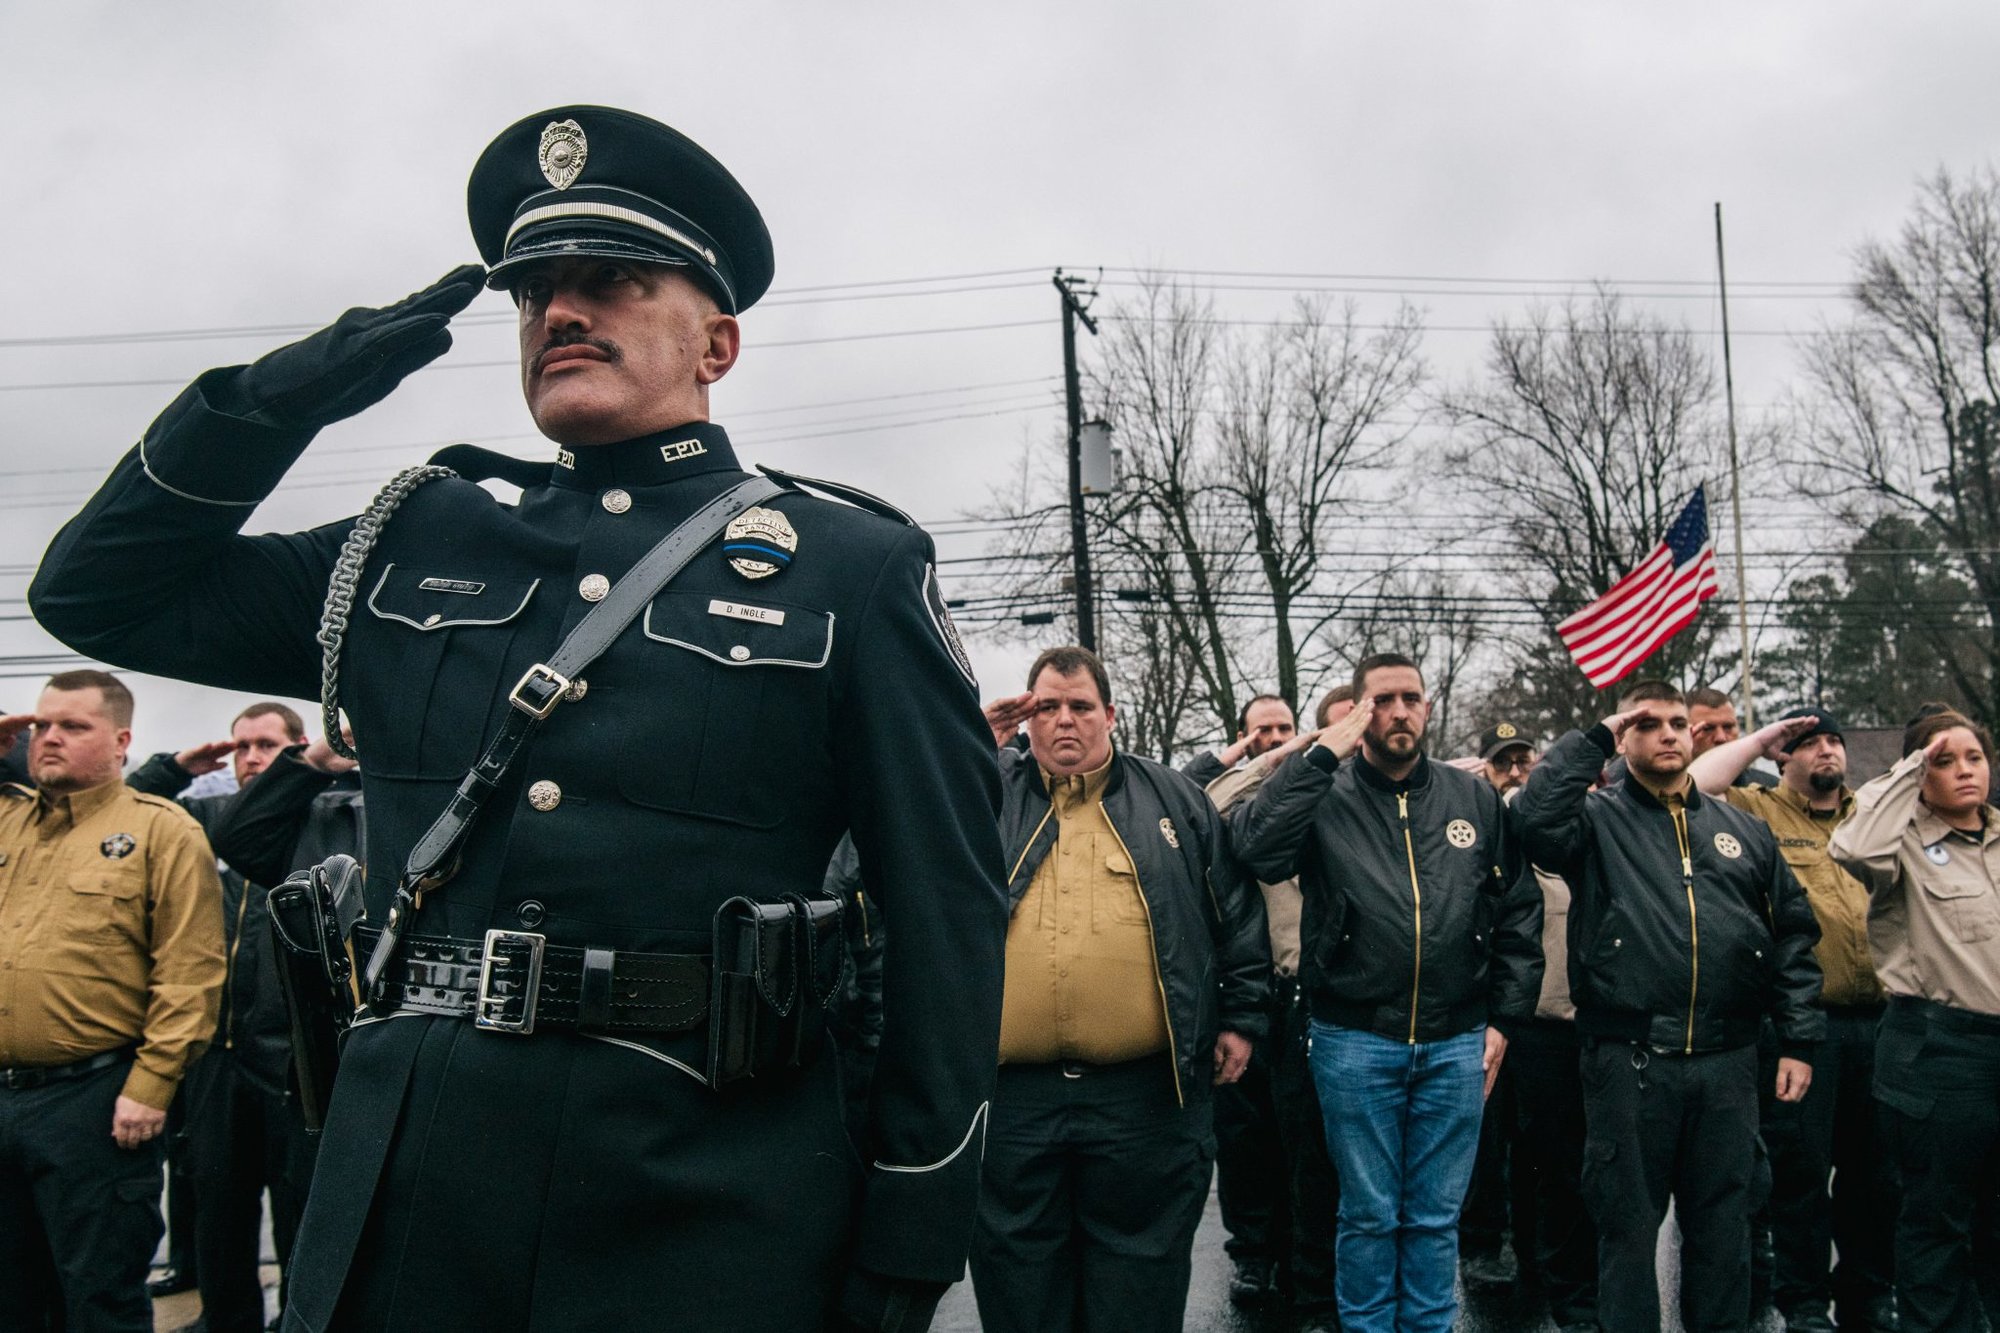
x: 595, y: 989
x: 434, y: 859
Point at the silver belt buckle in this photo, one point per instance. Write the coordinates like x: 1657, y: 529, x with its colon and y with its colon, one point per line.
x: 510, y: 973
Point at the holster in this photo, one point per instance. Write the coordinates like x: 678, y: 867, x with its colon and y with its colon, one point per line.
x: 313, y: 914
x: 775, y: 973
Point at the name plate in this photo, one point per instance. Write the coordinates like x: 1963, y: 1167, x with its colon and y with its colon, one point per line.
x: 763, y: 615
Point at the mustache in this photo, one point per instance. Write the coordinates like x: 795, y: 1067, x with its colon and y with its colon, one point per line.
x: 604, y: 345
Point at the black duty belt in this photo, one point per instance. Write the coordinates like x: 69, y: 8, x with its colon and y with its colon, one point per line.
x: 34, y: 1076
x: 516, y: 981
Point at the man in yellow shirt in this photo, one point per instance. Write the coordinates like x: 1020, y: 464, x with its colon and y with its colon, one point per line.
x: 1138, y: 973
x: 110, y: 970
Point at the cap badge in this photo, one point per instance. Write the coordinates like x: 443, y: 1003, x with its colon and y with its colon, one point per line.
x: 1167, y: 832
x: 118, y: 846
x: 759, y: 542
x: 1460, y: 834
x: 1505, y: 731
x: 562, y: 153
x: 1937, y: 854
x: 1728, y: 846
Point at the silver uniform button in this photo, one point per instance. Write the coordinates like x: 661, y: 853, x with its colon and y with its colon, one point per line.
x: 593, y: 587
x: 432, y: 619
x: 616, y: 501
x: 740, y: 653
x: 545, y: 795
x: 577, y: 689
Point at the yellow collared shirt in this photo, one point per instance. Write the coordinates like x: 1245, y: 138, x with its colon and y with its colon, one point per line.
x: 110, y: 933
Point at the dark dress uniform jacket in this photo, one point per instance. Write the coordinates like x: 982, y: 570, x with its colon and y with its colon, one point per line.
x: 475, y: 1179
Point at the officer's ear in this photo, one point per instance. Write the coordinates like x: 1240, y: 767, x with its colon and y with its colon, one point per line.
x: 725, y: 341
x: 1110, y: 717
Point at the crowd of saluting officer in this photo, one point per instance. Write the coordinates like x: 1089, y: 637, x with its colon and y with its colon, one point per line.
x: 692, y: 949
x: 1388, y: 997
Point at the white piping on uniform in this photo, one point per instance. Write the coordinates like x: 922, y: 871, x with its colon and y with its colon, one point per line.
x: 977, y: 1116
x: 581, y: 208
x: 383, y: 1018
x: 647, y: 1050
x: 154, y: 477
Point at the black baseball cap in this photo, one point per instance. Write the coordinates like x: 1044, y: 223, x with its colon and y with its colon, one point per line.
x: 1501, y: 736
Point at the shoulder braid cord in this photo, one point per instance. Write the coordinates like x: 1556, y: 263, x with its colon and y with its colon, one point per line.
x: 345, y: 585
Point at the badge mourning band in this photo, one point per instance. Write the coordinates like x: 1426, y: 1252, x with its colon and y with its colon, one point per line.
x: 562, y: 153
x: 759, y: 542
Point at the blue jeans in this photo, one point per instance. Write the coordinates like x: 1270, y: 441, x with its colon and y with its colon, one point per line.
x: 1402, y: 1124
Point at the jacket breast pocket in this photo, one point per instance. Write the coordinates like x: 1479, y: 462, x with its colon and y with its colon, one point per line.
x: 1968, y: 907
x: 434, y: 671
x: 740, y: 730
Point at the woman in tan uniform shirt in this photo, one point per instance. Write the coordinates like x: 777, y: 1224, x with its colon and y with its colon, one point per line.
x: 1927, y: 844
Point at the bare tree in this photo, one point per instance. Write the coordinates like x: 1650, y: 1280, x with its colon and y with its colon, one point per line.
x: 1901, y: 416
x: 1580, y: 443
x: 1220, y: 552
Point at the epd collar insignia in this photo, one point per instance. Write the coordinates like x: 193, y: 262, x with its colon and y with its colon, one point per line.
x: 562, y: 152
x: 759, y: 542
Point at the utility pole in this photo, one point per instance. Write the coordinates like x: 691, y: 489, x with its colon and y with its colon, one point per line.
x: 1075, y: 307
x: 1735, y: 484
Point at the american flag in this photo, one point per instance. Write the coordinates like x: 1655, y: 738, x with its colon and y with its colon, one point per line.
x: 1621, y: 629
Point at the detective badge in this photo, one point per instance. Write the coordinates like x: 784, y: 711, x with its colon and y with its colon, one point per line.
x: 1460, y: 834
x: 1728, y: 846
x: 562, y: 153
x: 759, y: 542
x: 1167, y: 832
x: 1937, y: 855
x: 118, y: 846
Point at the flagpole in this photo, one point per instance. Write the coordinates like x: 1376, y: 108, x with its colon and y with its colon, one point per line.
x: 1735, y: 483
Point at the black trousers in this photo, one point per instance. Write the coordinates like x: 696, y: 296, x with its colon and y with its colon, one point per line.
x: 1549, y: 1123
x: 243, y: 1139
x: 1937, y: 1075
x: 1661, y: 1127
x: 1094, y: 1181
x: 79, y: 1216
x: 1832, y: 1132
x: 1313, y: 1186
x: 1279, y: 1194
x: 1250, y: 1182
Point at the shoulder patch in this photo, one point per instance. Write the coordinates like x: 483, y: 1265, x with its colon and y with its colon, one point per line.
x: 858, y: 498
x: 941, y: 619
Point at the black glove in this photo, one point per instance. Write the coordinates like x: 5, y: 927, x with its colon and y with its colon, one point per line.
x: 870, y: 1303
x: 356, y: 361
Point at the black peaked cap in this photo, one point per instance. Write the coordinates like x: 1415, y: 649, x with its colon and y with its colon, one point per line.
x: 593, y: 180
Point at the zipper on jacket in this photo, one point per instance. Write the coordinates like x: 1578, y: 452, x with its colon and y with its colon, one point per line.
x: 1166, y: 1010
x: 1694, y: 933
x: 229, y: 972
x: 1047, y: 815
x: 1417, y: 899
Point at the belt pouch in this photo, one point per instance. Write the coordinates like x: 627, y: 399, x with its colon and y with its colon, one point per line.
x: 776, y: 967
x: 316, y: 975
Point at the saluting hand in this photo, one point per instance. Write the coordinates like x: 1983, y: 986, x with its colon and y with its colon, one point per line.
x: 1005, y: 717
x: 356, y: 361
x: 1272, y: 758
x: 11, y: 727
x: 1619, y: 723
x: 1775, y: 741
x: 1344, y: 736
x: 320, y: 755
x: 206, y: 757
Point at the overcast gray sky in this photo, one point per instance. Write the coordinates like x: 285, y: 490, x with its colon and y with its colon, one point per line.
x: 217, y: 166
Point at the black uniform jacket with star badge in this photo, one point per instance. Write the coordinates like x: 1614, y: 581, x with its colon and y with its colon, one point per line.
x: 710, y: 755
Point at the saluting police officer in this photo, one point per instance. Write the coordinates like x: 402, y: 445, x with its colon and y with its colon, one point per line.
x: 798, y: 679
